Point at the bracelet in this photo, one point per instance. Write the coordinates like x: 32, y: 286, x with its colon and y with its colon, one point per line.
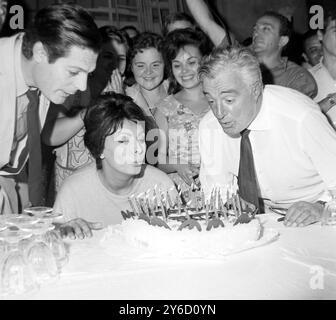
x: 331, y: 101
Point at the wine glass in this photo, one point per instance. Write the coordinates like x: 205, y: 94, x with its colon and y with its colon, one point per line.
x: 16, y: 275
x: 18, y: 219
x: 329, y: 213
x: 57, y: 246
x: 39, y: 255
x: 43, y: 213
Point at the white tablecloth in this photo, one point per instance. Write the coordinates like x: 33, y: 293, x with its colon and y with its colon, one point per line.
x: 300, y: 264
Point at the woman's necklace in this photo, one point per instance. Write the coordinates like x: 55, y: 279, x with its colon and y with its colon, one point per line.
x: 159, y: 94
x: 196, y: 106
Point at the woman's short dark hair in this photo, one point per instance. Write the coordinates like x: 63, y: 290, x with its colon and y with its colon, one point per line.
x: 178, y: 39
x: 173, y: 17
x: 130, y: 27
x: 59, y: 27
x: 105, y: 118
x: 146, y: 40
x: 109, y: 33
x: 141, y: 42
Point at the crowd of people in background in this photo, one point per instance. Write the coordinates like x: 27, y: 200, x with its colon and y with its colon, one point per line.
x: 192, y: 90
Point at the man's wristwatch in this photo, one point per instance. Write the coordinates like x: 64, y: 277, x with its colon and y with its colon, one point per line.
x: 321, y: 202
x: 331, y: 101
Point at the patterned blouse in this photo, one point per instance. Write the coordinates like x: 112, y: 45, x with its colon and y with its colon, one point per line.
x: 182, y: 130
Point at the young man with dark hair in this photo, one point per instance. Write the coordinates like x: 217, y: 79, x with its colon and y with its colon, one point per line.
x: 49, y: 62
x: 270, y: 36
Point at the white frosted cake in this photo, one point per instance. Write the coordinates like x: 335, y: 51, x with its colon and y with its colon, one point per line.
x: 161, y: 242
x: 193, y: 229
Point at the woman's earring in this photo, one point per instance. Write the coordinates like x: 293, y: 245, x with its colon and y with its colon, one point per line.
x: 102, y: 156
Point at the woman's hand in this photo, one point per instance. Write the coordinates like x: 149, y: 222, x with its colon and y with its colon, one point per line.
x: 187, y: 172
x: 78, y: 228
x: 116, y: 82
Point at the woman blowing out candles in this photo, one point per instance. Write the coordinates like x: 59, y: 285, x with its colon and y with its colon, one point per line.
x: 115, y: 136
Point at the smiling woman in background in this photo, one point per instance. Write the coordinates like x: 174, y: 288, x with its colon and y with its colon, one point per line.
x: 147, y: 65
x: 178, y: 115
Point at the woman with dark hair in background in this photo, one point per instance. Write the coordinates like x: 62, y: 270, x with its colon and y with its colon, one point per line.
x: 131, y: 31
x: 178, y: 115
x: 177, y: 20
x: 147, y: 66
x: 120, y: 43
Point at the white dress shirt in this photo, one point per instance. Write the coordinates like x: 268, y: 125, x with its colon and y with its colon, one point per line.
x: 294, y: 149
x: 325, y: 86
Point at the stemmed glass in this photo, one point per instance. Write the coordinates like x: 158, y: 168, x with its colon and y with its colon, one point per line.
x: 16, y: 275
x: 38, y: 253
x: 57, y: 246
x: 329, y: 212
x: 51, y: 237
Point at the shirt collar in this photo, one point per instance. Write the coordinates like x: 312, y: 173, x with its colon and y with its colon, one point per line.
x: 21, y: 86
x: 262, y: 120
x: 282, y: 66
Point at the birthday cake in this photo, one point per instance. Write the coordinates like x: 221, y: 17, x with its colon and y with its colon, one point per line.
x: 205, y: 230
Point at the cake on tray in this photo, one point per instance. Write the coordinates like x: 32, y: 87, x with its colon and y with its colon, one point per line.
x: 195, y: 228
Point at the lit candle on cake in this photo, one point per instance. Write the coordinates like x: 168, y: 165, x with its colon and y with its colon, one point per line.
x: 142, y: 203
x: 148, y: 205
x: 207, y: 212
x: 223, y: 209
x: 190, y: 195
x: 203, y: 199
x: 238, y: 204
x: 163, y: 209
x: 132, y: 205
x: 227, y: 197
x: 156, y: 205
x: 138, y: 205
x: 212, y: 204
x: 169, y: 201
x: 178, y: 200
x: 234, y: 207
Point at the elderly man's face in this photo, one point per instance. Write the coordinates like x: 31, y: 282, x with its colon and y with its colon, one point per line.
x: 232, y: 101
x: 3, y: 12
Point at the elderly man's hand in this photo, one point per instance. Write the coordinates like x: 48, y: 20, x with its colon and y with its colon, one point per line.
x: 78, y: 228
x: 302, y: 213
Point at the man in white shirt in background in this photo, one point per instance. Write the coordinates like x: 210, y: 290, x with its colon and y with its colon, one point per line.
x: 325, y: 71
x: 293, y: 145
